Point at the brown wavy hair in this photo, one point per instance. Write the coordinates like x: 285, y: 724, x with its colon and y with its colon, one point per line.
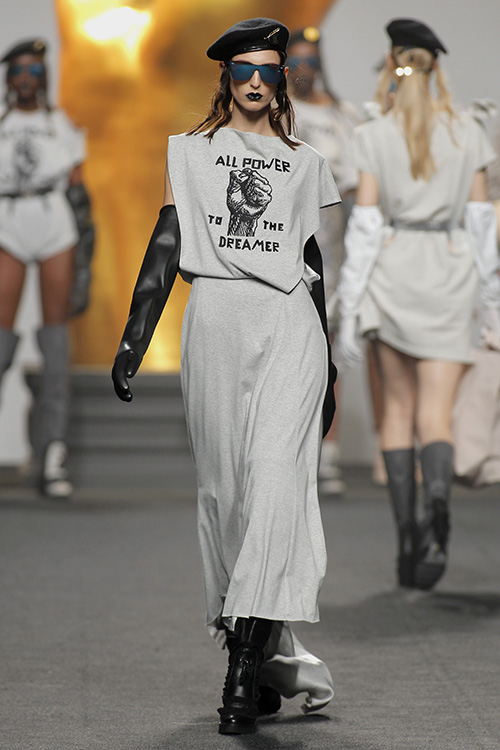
x: 414, y: 104
x: 281, y: 116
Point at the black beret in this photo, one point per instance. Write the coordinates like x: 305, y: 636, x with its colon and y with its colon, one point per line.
x: 406, y: 32
x: 28, y: 47
x: 248, y: 36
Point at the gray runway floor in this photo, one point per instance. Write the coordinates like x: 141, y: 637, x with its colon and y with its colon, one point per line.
x: 103, y: 643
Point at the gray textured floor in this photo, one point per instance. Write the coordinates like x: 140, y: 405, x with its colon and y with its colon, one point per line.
x: 103, y: 643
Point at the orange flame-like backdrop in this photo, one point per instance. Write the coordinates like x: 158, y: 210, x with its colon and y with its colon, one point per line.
x: 132, y: 73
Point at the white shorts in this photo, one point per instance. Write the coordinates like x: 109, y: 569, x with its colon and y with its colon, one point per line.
x: 35, y: 227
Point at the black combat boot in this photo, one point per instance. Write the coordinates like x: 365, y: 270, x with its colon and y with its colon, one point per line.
x: 269, y: 699
x: 400, y: 465
x: 436, y: 460
x: 246, y: 643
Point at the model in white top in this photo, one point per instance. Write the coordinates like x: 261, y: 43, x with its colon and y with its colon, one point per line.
x: 420, y: 240
x: 44, y: 218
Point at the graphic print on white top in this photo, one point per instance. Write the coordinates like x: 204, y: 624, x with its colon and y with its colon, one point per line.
x: 25, y: 161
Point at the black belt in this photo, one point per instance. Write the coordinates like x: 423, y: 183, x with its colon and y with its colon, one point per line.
x: 28, y: 193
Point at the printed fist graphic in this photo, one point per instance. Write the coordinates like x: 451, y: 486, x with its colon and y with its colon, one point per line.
x: 248, y: 196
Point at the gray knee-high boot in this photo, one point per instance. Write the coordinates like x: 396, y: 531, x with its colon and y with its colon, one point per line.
x: 50, y: 412
x: 400, y: 465
x: 436, y: 460
x: 8, y: 344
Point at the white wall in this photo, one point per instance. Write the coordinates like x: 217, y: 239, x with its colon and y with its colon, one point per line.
x: 23, y: 19
x: 354, y: 42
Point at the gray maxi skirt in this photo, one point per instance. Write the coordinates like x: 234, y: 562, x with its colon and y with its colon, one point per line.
x: 254, y: 373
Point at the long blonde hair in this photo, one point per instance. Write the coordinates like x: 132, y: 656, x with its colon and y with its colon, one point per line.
x: 414, y: 103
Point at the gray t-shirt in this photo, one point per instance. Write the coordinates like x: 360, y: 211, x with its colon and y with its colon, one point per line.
x: 247, y: 204
x: 379, y: 148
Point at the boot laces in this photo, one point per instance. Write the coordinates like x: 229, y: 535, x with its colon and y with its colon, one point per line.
x: 246, y: 667
x: 246, y: 664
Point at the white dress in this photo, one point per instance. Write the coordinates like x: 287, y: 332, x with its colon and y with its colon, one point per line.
x: 422, y: 292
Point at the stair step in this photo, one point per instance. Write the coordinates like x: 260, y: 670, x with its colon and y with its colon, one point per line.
x: 141, y: 444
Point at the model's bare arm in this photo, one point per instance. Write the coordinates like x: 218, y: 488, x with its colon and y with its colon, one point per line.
x: 479, y: 189
x: 168, y: 196
x: 367, y: 192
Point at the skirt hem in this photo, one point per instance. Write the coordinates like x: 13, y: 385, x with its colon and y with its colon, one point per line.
x: 406, y: 348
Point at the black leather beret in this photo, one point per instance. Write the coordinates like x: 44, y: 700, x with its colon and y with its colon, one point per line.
x: 248, y: 36
x: 406, y: 32
x: 27, y: 47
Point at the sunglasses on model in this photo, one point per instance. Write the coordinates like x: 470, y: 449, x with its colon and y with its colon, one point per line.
x: 34, y: 69
x: 242, y: 71
x: 295, y: 61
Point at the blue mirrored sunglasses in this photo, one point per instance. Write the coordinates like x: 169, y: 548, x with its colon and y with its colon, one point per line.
x: 242, y: 71
x: 295, y: 61
x: 34, y: 69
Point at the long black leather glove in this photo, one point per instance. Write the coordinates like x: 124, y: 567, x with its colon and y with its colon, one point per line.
x: 312, y: 256
x: 154, y: 283
x: 79, y: 200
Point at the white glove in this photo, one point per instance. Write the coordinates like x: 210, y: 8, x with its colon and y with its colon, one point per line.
x: 363, y: 239
x: 346, y: 350
x: 481, y: 224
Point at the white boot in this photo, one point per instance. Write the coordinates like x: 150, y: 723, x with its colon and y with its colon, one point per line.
x: 330, y: 473
x: 50, y: 413
x: 54, y: 481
